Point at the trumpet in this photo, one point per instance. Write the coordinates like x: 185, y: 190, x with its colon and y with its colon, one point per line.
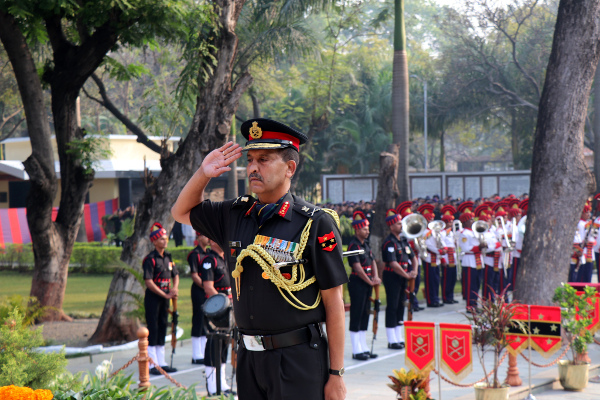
x: 437, y: 227
x: 414, y: 227
x: 509, y: 243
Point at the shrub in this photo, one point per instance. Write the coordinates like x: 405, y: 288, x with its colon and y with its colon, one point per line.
x: 32, y: 309
x: 20, y: 364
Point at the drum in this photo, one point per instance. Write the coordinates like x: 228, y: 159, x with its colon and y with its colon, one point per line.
x: 217, y: 310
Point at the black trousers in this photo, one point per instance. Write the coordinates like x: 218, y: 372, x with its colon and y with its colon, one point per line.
x: 290, y: 373
x: 212, y: 346
x: 198, y: 299
x: 157, y: 316
x: 360, y: 306
x: 395, y: 292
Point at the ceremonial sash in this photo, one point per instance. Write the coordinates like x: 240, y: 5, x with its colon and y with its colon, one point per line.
x: 456, y: 350
x: 433, y: 260
x: 451, y: 260
x: 477, y: 252
x: 588, y: 251
x: 420, y: 345
x: 545, y: 329
x: 517, y: 340
x: 496, y: 261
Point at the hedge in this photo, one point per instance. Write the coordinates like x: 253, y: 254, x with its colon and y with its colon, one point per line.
x: 94, y: 257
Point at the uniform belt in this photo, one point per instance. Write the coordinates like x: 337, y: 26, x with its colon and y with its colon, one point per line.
x: 280, y: 340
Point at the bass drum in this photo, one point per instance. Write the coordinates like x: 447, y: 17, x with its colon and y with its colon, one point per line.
x: 217, y: 310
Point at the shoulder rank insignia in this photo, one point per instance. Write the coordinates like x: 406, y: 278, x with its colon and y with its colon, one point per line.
x: 328, y: 242
x: 284, y: 207
x: 244, y: 199
x: 305, y: 209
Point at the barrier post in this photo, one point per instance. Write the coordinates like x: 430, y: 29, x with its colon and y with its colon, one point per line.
x: 512, y: 377
x: 142, y: 335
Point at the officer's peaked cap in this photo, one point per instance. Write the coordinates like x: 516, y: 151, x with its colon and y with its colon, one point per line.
x: 263, y: 133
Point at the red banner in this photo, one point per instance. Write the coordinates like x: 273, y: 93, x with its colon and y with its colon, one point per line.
x: 517, y: 340
x: 594, y: 326
x: 545, y: 329
x: 420, y: 345
x: 456, y: 350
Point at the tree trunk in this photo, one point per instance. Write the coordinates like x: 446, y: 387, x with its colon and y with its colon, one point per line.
x: 514, y: 138
x: 387, y: 195
x: 560, y: 181
x: 596, y: 129
x: 400, y: 102
x: 216, y: 106
x: 442, y: 152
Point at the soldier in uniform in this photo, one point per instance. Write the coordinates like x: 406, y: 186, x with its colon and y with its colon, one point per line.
x: 363, y: 277
x: 194, y: 259
x: 584, y: 228
x: 472, y: 261
x: 279, y: 309
x: 515, y: 214
x: 159, y: 271
x: 464, y: 207
x: 449, y: 259
x: 396, y: 253
x: 215, y: 279
x: 404, y: 209
x: 431, y: 261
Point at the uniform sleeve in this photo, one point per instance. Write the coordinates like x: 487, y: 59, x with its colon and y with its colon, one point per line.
x: 207, y: 268
x: 193, y: 261
x: 148, y: 268
x: 174, y: 271
x: 388, y: 252
x: 353, y: 259
x: 325, y: 242
x: 211, y: 219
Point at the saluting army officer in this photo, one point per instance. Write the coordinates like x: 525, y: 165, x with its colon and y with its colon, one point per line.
x: 279, y: 310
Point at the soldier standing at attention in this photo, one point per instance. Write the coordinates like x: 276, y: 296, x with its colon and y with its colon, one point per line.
x: 363, y: 277
x: 215, y: 279
x: 279, y: 309
x: 159, y: 270
x: 396, y: 253
x: 472, y: 261
x: 198, y: 297
x: 449, y: 259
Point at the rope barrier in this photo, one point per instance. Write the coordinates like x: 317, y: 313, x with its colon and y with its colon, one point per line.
x: 547, y: 365
x: 162, y: 371
x: 596, y: 341
x: 474, y: 383
x: 135, y: 358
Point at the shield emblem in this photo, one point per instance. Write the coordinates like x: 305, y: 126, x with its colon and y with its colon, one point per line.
x: 456, y: 347
x: 421, y: 345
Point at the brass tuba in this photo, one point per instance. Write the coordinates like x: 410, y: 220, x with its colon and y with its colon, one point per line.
x: 437, y: 227
x: 480, y: 228
x: 414, y: 227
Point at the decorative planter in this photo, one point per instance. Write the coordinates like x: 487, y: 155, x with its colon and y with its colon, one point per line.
x: 483, y: 392
x: 573, y: 377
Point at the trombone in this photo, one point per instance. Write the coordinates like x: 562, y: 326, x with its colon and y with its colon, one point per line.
x: 456, y: 227
x: 511, y: 246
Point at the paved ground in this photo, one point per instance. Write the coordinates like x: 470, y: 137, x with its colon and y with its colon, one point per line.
x: 369, y: 379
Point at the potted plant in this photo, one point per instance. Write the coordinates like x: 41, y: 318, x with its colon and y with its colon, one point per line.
x: 409, y: 385
x: 491, y: 322
x: 575, y: 310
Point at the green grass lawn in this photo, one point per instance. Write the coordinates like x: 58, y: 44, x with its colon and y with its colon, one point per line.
x: 86, y: 294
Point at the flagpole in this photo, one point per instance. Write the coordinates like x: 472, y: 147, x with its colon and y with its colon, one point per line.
x: 439, y: 365
x: 529, y: 396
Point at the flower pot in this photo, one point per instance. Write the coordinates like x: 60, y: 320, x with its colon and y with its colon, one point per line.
x: 573, y: 377
x: 483, y: 392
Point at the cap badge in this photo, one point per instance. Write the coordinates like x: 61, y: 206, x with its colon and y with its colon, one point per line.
x: 255, y: 131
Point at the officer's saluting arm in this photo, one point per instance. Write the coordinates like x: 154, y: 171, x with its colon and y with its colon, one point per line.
x: 214, y: 164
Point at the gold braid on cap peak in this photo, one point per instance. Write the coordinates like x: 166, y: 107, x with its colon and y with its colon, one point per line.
x: 267, y: 262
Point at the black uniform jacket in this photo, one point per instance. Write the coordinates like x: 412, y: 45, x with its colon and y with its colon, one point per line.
x: 261, y: 308
x: 161, y: 269
x: 213, y: 269
x: 194, y: 259
x: 365, y: 260
x: 394, y: 249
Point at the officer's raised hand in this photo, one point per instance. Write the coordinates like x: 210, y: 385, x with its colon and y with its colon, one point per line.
x: 217, y: 161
